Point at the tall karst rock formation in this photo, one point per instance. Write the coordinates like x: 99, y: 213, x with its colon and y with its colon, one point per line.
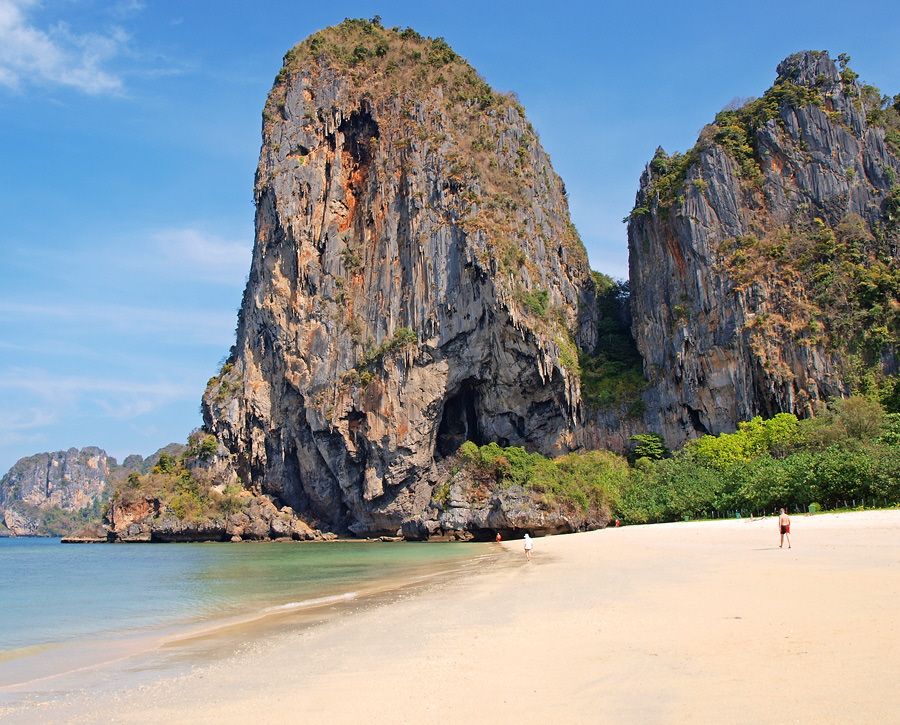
x: 763, y: 262
x: 416, y: 282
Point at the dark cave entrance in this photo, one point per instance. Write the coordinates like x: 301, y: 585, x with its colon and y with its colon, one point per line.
x: 459, y: 423
x: 694, y: 416
x: 360, y: 130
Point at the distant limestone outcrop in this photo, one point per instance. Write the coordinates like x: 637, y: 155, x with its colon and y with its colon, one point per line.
x: 416, y: 283
x: 65, y: 481
x: 763, y: 261
x: 50, y: 494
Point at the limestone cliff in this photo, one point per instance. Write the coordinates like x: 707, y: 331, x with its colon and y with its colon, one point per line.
x: 65, y: 481
x: 763, y: 261
x: 416, y: 282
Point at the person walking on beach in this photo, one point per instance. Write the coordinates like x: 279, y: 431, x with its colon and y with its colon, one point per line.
x: 527, y: 547
x: 784, y: 525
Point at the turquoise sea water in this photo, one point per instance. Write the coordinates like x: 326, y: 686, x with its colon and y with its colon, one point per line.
x: 62, y: 597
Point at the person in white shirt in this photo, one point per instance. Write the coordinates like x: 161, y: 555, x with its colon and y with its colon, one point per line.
x: 527, y: 547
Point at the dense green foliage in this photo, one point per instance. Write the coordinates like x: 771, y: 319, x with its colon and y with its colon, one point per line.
x: 881, y: 110
x: 735, y: 129
x: 669, y: 174
x: 404, y: 338
x: 536, y: 302
x: 847, y: 457
x: 648, y: 445
x: 612, y: 373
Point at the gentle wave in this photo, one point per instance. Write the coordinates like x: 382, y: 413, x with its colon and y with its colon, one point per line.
x: 311, y: 602
x: 8, y: 655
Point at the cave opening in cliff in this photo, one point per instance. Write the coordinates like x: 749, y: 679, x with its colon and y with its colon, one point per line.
x: 697, y: 424
x: 459, y: 422
x: 359, y: 131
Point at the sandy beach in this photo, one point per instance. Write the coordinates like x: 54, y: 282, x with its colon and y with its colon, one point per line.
x: 674, y: 623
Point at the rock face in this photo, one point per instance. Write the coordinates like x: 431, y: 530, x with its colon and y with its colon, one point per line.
x: 69, y: 480
x: 732, y: 244
x: 471, y: 509
x: 140, y: 519
x: 416, y: 283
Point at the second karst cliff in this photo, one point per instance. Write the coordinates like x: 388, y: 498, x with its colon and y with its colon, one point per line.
x: 763, y: 261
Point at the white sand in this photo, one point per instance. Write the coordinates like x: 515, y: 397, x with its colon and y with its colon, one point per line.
x: 677, y: 623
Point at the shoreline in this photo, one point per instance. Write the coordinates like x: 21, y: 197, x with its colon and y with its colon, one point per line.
x: 46, y: 674
x: 683, y: 622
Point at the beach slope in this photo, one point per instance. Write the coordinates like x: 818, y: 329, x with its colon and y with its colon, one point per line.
x: 674, y: 623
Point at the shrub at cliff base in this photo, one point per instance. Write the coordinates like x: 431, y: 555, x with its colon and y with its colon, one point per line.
x: 666, y: 490
x: 582, y: 485
x: 848, y: 456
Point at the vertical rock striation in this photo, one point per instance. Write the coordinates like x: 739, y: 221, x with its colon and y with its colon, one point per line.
x: 749, y: 253
x: 416, y: 282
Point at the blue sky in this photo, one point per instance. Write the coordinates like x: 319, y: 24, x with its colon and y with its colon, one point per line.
x: 130, y: 133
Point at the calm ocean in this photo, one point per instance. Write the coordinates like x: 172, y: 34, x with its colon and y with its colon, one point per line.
x: 67, y: 598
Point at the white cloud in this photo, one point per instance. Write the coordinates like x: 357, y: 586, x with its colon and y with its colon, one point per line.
x: 120, y: 399
x: 57, y: 55
x: 27, y: 419
x: 204, y: 256
x: 127, y: 8
x: 189, y: 326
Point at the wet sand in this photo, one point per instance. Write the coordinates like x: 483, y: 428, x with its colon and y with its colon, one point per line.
x: 676, y: 623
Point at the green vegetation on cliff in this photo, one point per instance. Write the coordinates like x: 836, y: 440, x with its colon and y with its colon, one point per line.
x: 55, y: 521
x: 612, y: 373
x: 583, y: 485
x: 178, y: 486
x: 824, y: 278
x: 850, y: 281
x: 735, y: 130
